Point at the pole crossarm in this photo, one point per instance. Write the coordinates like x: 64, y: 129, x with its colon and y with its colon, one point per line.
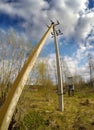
x: 9, y: 106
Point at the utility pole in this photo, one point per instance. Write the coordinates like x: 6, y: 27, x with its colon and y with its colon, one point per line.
x: 55, y: 33
x: 8, y: 108
x: 91, y: 69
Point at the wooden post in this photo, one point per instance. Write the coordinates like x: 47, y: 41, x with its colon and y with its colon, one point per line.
x: 8, y: 108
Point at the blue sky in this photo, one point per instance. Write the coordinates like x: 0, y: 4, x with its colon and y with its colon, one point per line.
x: 30, y: 17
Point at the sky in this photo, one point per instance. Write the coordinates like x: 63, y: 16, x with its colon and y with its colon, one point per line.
x: 76, y: 17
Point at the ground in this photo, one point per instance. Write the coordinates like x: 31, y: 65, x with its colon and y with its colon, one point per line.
x: 38, y: 110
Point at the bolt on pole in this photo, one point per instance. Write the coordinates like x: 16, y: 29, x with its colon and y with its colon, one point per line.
x: 59, y: 72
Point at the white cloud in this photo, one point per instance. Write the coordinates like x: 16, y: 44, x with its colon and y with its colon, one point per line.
x: 69, y: 66
x: 37, y: 14
x: 84, y: 26
x: 76, y: 21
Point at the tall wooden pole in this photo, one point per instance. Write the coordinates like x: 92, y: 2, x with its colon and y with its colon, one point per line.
x: 59, y: 73
x: 8, y: 108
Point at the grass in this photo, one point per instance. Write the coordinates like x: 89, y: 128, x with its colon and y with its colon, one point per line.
x: 78, y: 112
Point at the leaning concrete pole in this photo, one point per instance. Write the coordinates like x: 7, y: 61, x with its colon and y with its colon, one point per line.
x: 8, y: 108
x: 59, y: 74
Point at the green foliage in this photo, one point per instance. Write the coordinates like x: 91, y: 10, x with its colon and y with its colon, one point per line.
x: 33, y: 121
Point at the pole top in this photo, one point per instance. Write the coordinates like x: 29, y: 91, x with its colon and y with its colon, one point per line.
x: 55, y: 24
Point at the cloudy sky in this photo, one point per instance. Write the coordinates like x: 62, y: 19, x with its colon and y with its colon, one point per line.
x: 76, y: 17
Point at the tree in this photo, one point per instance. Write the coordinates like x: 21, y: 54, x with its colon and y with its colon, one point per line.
x: 12, y: 56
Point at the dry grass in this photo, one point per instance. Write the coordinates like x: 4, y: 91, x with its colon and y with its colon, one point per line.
x: 78, y: 113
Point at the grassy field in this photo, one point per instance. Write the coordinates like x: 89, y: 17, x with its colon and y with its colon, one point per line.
x: 38, y: 110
